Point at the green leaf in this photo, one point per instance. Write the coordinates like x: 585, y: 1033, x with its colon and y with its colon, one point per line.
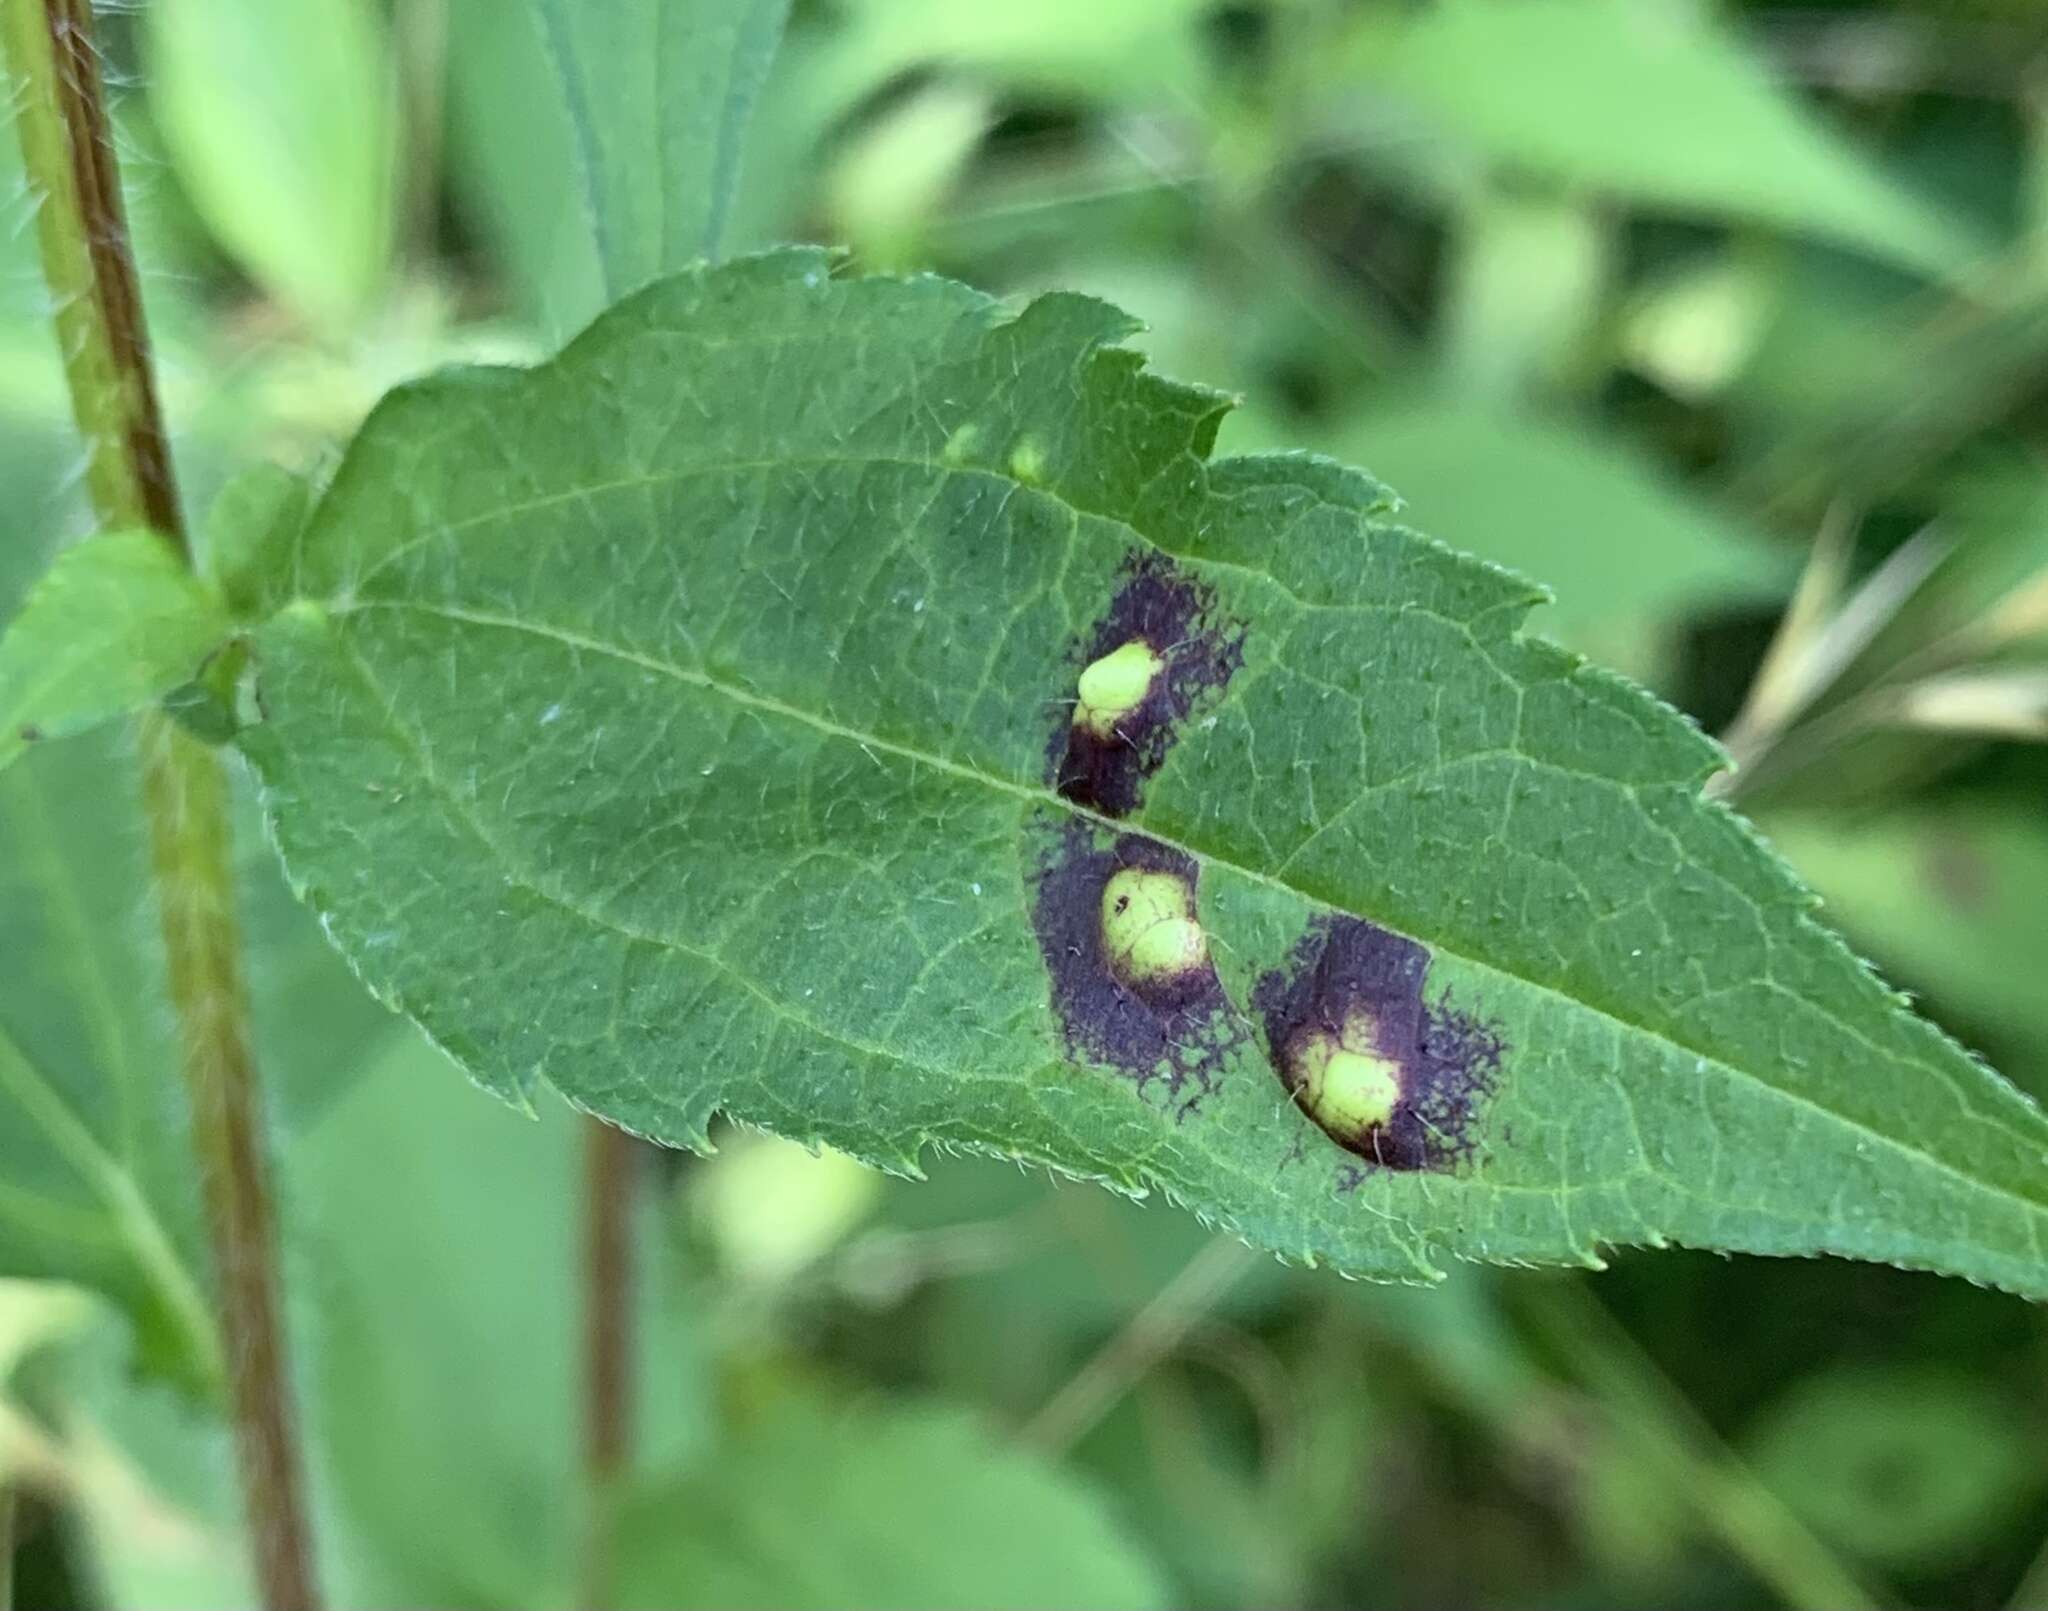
x: 1910, y: 1466
x: 690, y: 723
x: 891, y: 1508
x: 116, y: 622
x: 1952, y: 898
x: 95, y: 1167
x: 96, y: 1176
x: 1648, y: 104
x: 442, y: 1300
x: 1060, y: 48
x: 249, y: 532
x: 439, y: 1366
x: 601, y: 139
x: 282, y: 123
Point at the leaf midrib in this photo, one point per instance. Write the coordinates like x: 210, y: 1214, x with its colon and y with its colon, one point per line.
x: 527, y: 881
x: 1040, y: 796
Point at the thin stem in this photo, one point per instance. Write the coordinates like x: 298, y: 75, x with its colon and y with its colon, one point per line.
x: 60, y: 113
x: 185, y: 792
x: 60, y: 117
x: 8, y: 1504
x: 608, y: 1173
x: 1671, y: 1435
x: 1153, y: 1332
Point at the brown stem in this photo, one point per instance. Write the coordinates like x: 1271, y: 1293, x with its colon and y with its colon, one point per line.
x: 101, y: 321
x: 185, y: 790
x: 60, y: 115
x: 608, y: 1174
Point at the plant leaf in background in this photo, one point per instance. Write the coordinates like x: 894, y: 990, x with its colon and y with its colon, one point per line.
x: 439, y: 1280
x: 1949, y: 898
x: 95, y: 1163
x: 1125, y: 50
x: 1633, y: 552
x: 437, y: 1372
x: 604, y: 140
x: 898, y: 1506
x: 433, y: 1292
x: 692, y: 723
x: 281, y: 121
x: 1910, y: 1467
x: 117, y: 621
x: 1618, y: 97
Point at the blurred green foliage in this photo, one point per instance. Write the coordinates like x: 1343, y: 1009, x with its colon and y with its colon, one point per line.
x: 1728, y: 323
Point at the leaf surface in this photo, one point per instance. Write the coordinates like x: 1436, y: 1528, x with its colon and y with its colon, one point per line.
x: 117, y: 621
x: 692, y: 723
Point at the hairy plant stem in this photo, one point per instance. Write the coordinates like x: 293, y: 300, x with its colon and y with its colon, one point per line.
x: 60, y: 114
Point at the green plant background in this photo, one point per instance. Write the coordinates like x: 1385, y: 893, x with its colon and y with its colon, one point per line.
x: 1634, y: 297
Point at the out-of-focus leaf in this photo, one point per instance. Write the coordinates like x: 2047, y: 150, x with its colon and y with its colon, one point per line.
x: 1046, y: 1264
x: 883, y: 1508
x: 440, y: 1236
x: 1908, y: 1467
x: 1627, y: 553
x: 1523, y: 293
x: 256, y: 515
x: 1189, y: 1481
x: 1694, y: 329
x: 690, y: 723
x: 149, y: 1479
x: 601, y: 139
x: 282, y: 123
x: 96, y: 1172
x: 432, y: 1243
x: 1942, y: 647
x: 35, y: 1315
x: 117, y: 621
x: 892, y: 176
x: 150, y: 1483
x: 1954, y: 899
x: 1126, y: 50
x: 1986, y: 603
x: 1855, y: 389
x: 1650, y: 104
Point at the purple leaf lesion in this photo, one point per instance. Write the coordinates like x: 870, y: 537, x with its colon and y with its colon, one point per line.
x: 1161, y: 650
x: 1352, y: 988
x: 1396, y: 1080
x: 1170, y: 1029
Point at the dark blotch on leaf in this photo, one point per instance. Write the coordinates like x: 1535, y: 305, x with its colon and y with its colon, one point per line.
x: 30, y: 733
x: 1171, y: 1029
x: 1198, y: 652
x: 1350, y: 1003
